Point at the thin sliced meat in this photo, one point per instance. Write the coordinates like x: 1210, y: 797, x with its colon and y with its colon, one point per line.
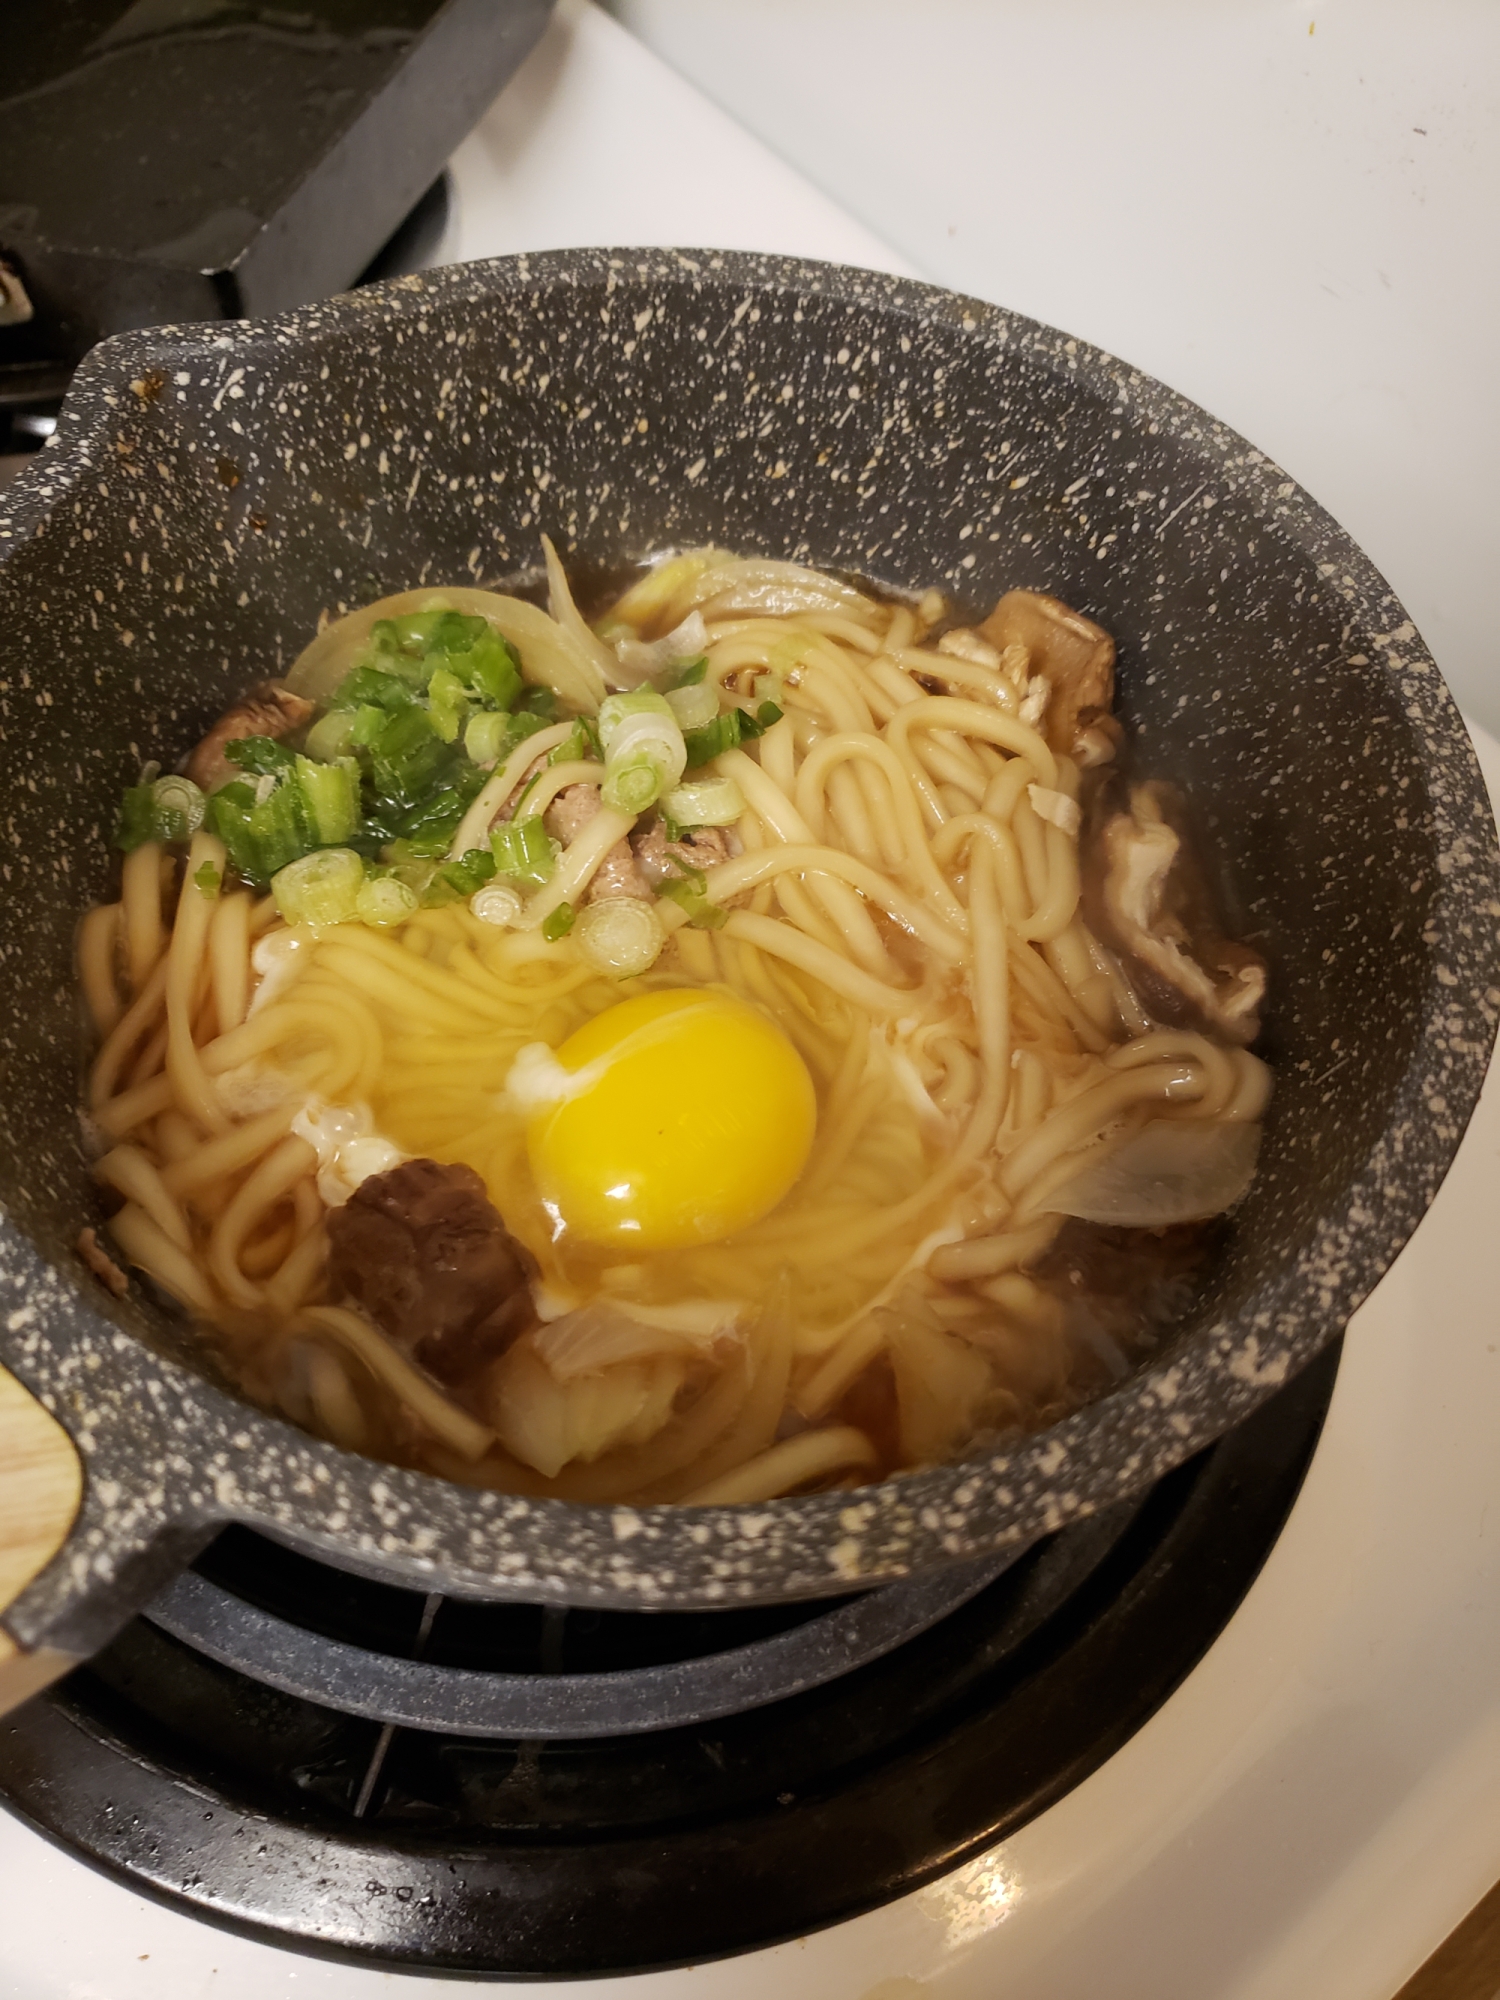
x: 1146, y: 894
x: 663, y: 860
x: 1073, y: 655
x: 267, y: 710
x: 617, y: 874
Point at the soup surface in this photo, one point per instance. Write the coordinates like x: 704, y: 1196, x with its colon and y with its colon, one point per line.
x: 759, y: 1040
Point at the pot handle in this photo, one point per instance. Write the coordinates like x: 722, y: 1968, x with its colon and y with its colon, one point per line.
x: 41, y: 1485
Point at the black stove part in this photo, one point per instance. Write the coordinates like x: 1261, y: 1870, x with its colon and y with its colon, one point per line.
x: 824, y: 1642
x: 216, y: 158
x: 30, y: 398
x: 564, y: 1860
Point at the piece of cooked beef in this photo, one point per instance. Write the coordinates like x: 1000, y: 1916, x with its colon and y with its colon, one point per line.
x: 1145, y: 893
x: 702, y: 847
x: 421, y: 1250
x: 268, y: 709
x: 1074, y: 656
x: 617, y: 874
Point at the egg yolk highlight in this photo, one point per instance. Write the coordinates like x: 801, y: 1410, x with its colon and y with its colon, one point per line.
x: 672, y: 1119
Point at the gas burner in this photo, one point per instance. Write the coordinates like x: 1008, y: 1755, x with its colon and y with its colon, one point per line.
x: 190, y: 1761
x: 255, y: 1606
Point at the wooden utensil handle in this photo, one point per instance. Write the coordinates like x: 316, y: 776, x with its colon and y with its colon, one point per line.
x: 41, y: 1484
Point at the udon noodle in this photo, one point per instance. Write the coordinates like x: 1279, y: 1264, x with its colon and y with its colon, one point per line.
x: 890, y: 870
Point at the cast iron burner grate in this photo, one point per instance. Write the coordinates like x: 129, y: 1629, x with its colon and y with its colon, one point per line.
x: 538, y: 1855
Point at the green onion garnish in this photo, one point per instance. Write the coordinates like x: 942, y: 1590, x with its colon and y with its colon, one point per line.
x: 707, y: 802
x: 524, y: 851
x: 320, y: 888
x: 262, y: 756
x: 558, y: 924
x: 689, y: 891
x: 384, y: 901
x: 330, y: 794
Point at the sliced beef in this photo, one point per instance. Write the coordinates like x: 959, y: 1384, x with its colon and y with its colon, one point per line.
x: 617, y: 874
x: 422, y: 1251
x: 656, y: 857
x: 1071, y: 653
x: 267, y: 710
x: 1146, y: 894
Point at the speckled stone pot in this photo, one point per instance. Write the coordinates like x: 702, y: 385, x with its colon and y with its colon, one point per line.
x: 212, y: 489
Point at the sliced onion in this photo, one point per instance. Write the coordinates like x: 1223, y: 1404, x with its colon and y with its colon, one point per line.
x: 1173, y: 1170
x: 639, y: 660
x: 550, y: 656
x: 778, y: 590
x: 620, y: 935
x: 601, y: 1334
x: 668, y: 579
x: 566, y: 615
x: 547, y: 1423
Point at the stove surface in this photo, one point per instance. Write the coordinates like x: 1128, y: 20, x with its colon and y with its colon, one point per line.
x: 1312, y: 1810
x: 545, y: 1838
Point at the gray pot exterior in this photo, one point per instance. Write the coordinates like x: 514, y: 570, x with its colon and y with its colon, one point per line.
x: 212, y: 489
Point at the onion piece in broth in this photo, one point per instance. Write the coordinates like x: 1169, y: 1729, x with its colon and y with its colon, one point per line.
x: 1173, y: 1170
x: 550, y: 656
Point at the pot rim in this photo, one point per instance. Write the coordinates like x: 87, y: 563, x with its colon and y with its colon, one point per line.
x: 149, y: 1505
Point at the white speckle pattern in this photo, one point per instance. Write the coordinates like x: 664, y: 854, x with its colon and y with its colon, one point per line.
x: 175, y: 542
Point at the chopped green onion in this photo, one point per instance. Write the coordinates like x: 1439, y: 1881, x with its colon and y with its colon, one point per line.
x: 383, y: 901
x: 580, y: 743
x: 524, y: 851
x: 207, y: 880
x: 734, y: 726
x: 261, y: 755
x: 331, y: 736
x: 503, y: 732
x: 497, y: 903
x: 540, y: 701
x: 690, y: 893
x: 620, y: 935
x: 708, y: 802
x: 320, y: 888
x: 470, y: 872
x: 618, y: 711
x: 260, y: 835
x: 644, y: 752
x: 446, y: 631
x: 486, y: 736
x: 689, y: 673
x: 137, y: 821
x: 368, y: 723
x: 369, y: 687
x: 179, y: 807
x: 694, y: 705
x: 407, y: 757
x: 448, y: 703
x: 430, y: 826
x: 631, y: 784
x: 558, y: 924
x: 401, y: 644
x: 330, y: 792
x: 492, y: 668
x: 713, y: 739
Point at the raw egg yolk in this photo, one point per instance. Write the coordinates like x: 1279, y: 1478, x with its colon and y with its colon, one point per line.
x: 672, y: 1119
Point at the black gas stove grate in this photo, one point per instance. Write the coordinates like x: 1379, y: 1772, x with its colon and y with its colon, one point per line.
x: 547, y: 1857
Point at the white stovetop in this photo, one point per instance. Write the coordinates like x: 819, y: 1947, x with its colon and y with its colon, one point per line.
x: 1314, y: 1809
